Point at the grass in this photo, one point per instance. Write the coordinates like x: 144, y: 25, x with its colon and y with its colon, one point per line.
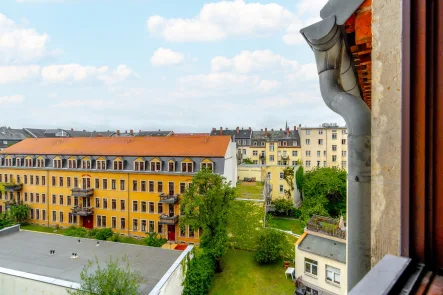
x: 242, y: 275
x: 53, y: 230
x: 293, y: 225
x: 42, y: 228
x: 250, y: 190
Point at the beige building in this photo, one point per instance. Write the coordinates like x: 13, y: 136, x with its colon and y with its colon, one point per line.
x: 320, y: 258
x: 275, y: 175
x: 324, y: 146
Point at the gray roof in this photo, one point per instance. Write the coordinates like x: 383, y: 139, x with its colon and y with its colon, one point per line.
x: 242, y: 133
x: 153, y: 133
x: 29, y: 252
x: 324, y: 247
x: 7, y: 133
x: 276, y: 135
x: 44, y: 133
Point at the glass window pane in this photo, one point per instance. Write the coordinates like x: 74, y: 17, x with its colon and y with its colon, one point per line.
x: 314, y: 270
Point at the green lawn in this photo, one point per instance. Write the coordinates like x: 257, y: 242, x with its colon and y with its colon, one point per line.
x: 43, y: 229
x: 293, y: 225
x: 242, y: 275
x: 250, y: 190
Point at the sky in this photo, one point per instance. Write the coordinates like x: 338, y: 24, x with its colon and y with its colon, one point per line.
x: 177, y: 65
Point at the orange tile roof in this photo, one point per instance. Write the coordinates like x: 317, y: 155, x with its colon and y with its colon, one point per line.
x: 187, y: 146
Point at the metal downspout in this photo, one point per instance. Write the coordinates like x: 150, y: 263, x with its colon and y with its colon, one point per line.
x: 335, y: 75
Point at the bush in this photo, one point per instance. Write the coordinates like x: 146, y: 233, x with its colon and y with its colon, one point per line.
x: 283, y: 206
x: 199, y: 275
x: 104, y: 233
x: 115, y: 238
x: 92, y: 233
x: 5, y: 220
x: 271, y: 245
x: 154, y: 240
x: 73, y: 231
x: 296, y: 213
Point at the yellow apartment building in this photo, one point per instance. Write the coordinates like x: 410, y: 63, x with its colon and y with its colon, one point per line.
x: 132, y: 185
x: 324, y: 146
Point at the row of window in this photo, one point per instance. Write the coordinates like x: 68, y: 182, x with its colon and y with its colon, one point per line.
x: 334, y: 149
x: 343, y: 163
x: 154, y: 165
x: 320, y: 131
x: 320, y: 141
x: 332, y: 274
x: 262, y: 143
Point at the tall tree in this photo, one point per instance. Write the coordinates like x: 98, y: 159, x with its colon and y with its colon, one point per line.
x: 324, y: 192
x: 117, y: 278
x: 20, y: 211
x: 300, y: 180
x: 205, y: 204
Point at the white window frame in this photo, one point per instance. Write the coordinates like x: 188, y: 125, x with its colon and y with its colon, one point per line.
x: 309, y: 267
x: 308, y: 141
x: 281, y: 188
x: 331, y: 274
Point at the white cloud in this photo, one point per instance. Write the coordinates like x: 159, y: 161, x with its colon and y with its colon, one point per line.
x: 217, y: 21
x: 223, y: 81
x: 268, y: 85
x: 10, y: 74
x: 165, y: 56
x: 93, y: 103
x: 21, y: 45
x: 11, y: 99
x: 76, y: 73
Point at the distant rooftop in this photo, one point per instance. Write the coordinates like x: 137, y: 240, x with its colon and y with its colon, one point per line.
x: 238, y: 133
x: 7, y: 133
x: 29, y: 252
x: 154, y: 133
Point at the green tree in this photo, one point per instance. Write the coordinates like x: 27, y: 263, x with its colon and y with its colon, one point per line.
x: 199, y: 274
x: 324, y: 192
x: 247, y: 161
x: 271, y: 246
x: 116, y: 278
x: 283, y: 206
x: 5, y: 220
x: 154, y: 240
x: 206, y: 204
x: 300, y: 180
x: 288, y: 176
x: 19, y: 212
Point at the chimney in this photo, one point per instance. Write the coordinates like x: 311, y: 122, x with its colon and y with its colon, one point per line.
x: 299, y: 125
x: 131, y: 132
x: 295, y: 128
x: 280, y: 129
x: 238, y: 130
x: 126, y: 131
x: 249, y: 128
x: 84, y: 130
x: 213, y: 129
x: 266, y: 131
x: 272, y: 129
x: 118, y: 132
x: 287, y: 130
x: 261, y: 129
x: 221, y: 130
x: 72, y: 129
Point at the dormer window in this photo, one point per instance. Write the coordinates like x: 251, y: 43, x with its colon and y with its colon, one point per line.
x: 57, y: 163
x: 118, y: 164
x: 171, y: 166
x: 18, y: 162
x: 101, y: 164
x: 187, y: 167
x: 28, y: 162
x: 8, y: 162
x: 139, y: 165
x: 86, y: 164
x: 207, y: 165
x: 155, y: 165
x: 40, y: 162
x: 72, y: 163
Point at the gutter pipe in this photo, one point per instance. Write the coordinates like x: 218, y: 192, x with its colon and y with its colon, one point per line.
x: 338, y: 86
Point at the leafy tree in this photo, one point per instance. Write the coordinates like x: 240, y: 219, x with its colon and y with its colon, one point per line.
x: 247, y: 161
x: 271, y: 245
x: 199, y: 274
x: 245, y: 220
x: 154, y: 240
x: 19, y: 212
x: 206, y: 204
x: 324, y: 192
x: 283, y: 205
x: 116, y: 278
x: 300, y: 180
x: 288, y: 176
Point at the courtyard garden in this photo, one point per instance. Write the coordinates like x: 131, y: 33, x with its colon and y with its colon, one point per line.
x: 250, y: 190
x: 289, y: 224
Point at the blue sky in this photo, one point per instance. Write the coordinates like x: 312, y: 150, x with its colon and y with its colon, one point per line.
x: 145, y: 64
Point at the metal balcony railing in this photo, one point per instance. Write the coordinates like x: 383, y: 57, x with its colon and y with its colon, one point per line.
x: 82, y: 192
x: 169, y: 199
x: 326, y: 225
x: 13, y: 187
x: 82, y: 211
x: 169, y: 220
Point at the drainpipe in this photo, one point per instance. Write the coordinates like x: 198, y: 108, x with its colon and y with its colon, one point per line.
x: 339, y: 90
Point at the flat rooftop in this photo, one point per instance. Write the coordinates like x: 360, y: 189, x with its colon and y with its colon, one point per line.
x: 29, y: 252
x: 324, y: 247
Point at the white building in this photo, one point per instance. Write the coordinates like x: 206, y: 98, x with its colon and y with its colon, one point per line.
x: 320, y: 264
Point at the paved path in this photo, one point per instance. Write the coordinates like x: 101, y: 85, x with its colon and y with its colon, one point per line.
x: 285, y: 231
x: 254, y: 200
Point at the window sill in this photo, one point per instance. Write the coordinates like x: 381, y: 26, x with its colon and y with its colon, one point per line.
x: 333, y: 284
x: 311, y: 275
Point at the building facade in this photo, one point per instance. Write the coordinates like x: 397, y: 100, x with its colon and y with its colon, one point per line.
x: 320, y: 258
x: 130, y: 185
x: 241, y: 136
x: 324, y: 146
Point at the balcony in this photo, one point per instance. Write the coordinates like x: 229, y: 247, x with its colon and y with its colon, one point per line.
x: 262, y: 156
x: 168, y: 199
x: 285, y: 158
x: 82, y: 192
x: 327, y: 225
x: 82, y: 211
x: 169, y: 220
x: 13, y: 187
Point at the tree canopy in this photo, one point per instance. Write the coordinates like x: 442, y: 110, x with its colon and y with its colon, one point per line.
x: 300, y: 180
x: 247, y: 161
x: 324, y: 192
x: 205, y: 204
